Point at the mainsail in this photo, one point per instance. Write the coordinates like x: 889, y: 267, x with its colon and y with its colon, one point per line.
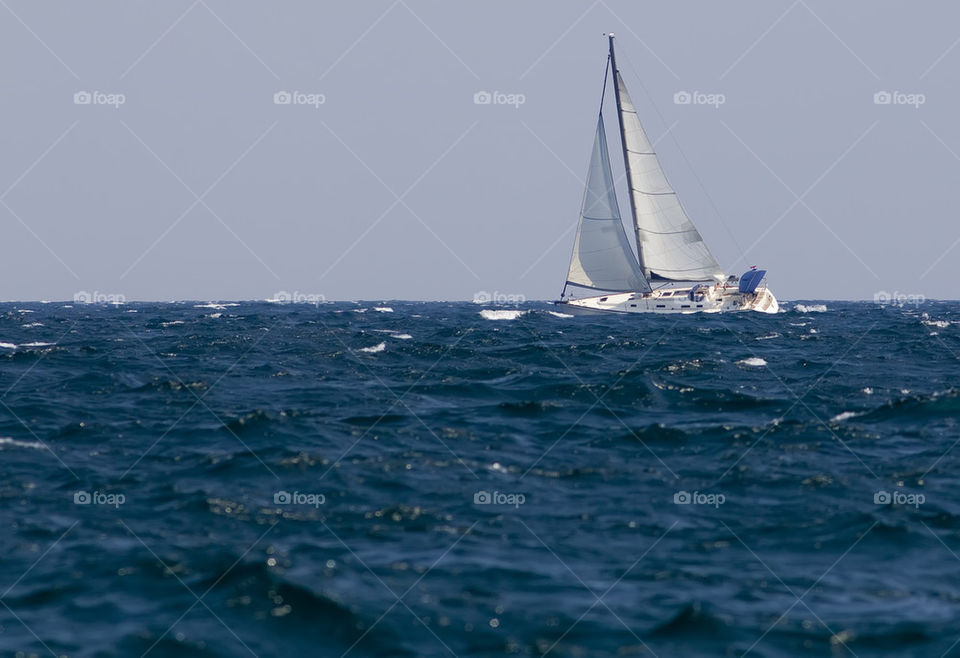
x: 668, y: 244
x: 602, y: 258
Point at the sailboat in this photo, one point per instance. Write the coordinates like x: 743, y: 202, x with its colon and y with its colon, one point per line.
x: 673, y: 270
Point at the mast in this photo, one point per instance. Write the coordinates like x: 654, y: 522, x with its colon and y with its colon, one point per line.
x: 626, y: 159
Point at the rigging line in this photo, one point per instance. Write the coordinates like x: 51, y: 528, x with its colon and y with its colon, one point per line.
x: 603, y: 92
x: 687, y: 161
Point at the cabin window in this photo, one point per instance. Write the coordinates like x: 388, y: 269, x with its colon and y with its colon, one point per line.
x: 603, y: 299
x: 685, y: 306
x: 667, y: 294
x: 661, y: 305
x: 633, y: 305
x: 699, y: 305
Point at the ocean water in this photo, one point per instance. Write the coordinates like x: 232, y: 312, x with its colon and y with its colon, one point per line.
x: 434, y: 479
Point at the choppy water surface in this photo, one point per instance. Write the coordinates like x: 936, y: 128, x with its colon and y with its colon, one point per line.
x: 407, y: 479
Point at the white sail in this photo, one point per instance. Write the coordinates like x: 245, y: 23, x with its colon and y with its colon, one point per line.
x: 602, y: 258
x: 669, y: 244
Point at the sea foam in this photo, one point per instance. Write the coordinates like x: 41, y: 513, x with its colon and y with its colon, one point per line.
x: 488, y: 314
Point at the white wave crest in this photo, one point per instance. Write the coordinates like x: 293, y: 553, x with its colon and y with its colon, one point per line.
x: 7, y: 441
x: 393, y: 333
x: 376, y: 348
x: 488, y: 314
x: 813, y: 308
x: 839, y: 418
x: 752, y: 361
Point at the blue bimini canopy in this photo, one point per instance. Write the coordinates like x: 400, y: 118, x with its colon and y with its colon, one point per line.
x: 750, y: 280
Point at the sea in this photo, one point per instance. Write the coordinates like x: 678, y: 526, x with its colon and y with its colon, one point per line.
x: 458, y: 479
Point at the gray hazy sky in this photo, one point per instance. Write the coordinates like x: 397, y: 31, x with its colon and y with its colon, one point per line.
x: 399, y: 186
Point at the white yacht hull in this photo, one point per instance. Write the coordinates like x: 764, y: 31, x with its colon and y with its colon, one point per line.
x: 716, y: 299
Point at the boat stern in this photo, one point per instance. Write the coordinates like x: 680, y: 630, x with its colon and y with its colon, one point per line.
x: 766, y: 302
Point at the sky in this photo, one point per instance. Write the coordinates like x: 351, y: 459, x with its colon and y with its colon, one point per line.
x: 226, y: 149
